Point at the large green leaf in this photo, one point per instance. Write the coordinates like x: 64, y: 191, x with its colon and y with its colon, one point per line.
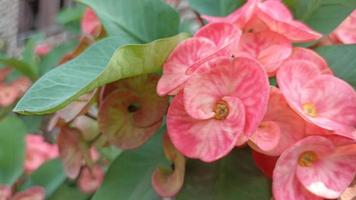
x: 129, y: 176
x: 50, y: 176
x: 12, y: 149
x: 215, y: 7
x: 68, y: 190
x: 143, y: 20
x: 106, y: 61
x: 322, y: 15
x: 233, y: 177
x: 342, y: 60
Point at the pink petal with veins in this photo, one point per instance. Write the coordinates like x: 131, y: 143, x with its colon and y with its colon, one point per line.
x: 300, y: 53
x: 212, y: 40
x: 277, y: 17
x: 331, y: 174
x: 286, y: 184
x: 208, y: 139
x: 241, y: 78
x: 268, y: 47
x: 335, y: 103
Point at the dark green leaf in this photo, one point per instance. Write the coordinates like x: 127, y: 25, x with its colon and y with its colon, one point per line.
x: 233, y: 177
x: 216, y: 7
x: 12, y: 149
x: 322, y: 15
x: 50, y: 176
x: 68, y: 191
x: 33, y: 123
x: 129, y: 176
x: 342, y: 60
x: 106, y: 61
x: 143, y: 20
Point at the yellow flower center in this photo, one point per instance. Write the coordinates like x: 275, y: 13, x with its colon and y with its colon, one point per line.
x: 307, y: 158
x: 221, y: 110
x: 309, y: 109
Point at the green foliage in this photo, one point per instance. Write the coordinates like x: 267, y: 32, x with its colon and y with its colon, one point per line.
x: 68, y: 190
x: 50, y: 176
x: 12, y: 149
x: 109, y: 60
x: 129, y: 176
x: 342, y: 60
x: 141, y: 20
x: 215, y: 7
x: 322, y: 15
x: 70, y: 18
x: 232, y: 177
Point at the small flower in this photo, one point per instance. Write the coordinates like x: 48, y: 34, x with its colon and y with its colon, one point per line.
x: 315, y: 168
x: 42, y: 49
x: 207, y: 118
x: 318, y: 96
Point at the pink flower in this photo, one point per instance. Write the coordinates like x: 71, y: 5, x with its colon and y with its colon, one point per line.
x: 206, y: 120
x: 43, y: 49
x: 210, y: 41
x: 90, y: 179
x: 346, y: 31
x: 37, y: 152
x: 281, y: 127
x: 259, y: 15
x: 90, y: 23
x: 318, y: 96
x: 315, y: 168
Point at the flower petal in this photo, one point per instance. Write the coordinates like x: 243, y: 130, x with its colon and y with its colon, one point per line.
x: 300, y: 53
x: 330, y: 175
x: 292, y: 76
x: 184, y: 55
x: 208, y: 139
x: 242, y: 78
x: 281, y: 22
x: 168, y: 182
x: 285, y: 183
x: 334, y: 101
x: 117, y: 120
x: 268, y: 47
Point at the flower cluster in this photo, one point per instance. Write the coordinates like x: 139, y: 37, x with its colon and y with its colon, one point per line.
x: 223, y: 99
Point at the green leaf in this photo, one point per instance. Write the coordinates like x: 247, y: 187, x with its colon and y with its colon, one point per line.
x: 129, y: 176
x: 322, y: 15
x: 342, y: 60
x: 50, y: 176
x: 68, y: 191
x: 233, y: 177
x: 106, y: 61
x: 52, y: 59
x: 33, y: 123
x: 216, y: 7
x: 143, y: 20
x: 12, y: 149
